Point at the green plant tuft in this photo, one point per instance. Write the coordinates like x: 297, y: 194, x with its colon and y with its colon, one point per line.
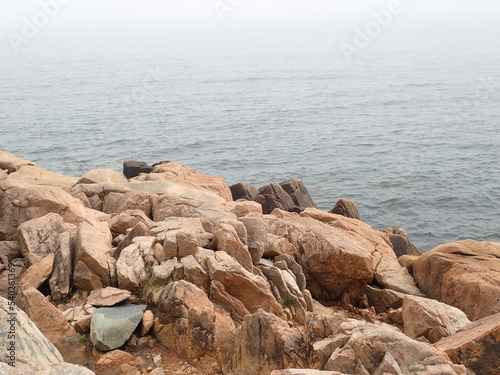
x: 287, y: 301
x: 151, y: 291
x: 82, y: 338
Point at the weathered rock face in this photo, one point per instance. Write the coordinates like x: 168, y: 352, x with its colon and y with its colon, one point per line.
x: 40, y: 237
x: 93, y: 244
x: 12, y: 163
x: 185, y: 324
x: 400, y: 242
x: 423, y: 316
x: 111, y: 327
x: 31, y: 345
x: 273, y: 196
x: 10, y: 250
x: 226, y: 238
x: 34, y: 175
x: 464, y: 274
x: 243, y: 190
x: 118, y: 202
x: 36, y: 274
x: 185, y: 176
x: 384, y: 299
x: 347, y: 208
x: 256, y: 227
x: 60, y: 280
x: 21, y: 202
x: 131, y: 266
x: 366, y: 348
x: 48, y: 318
x: 133, y: 168
x: 237, y: 290
x: 119, y: 223
x: 264, y: 343
x: 292, y: 371
x: 299, y: 193
x: 477, y: 346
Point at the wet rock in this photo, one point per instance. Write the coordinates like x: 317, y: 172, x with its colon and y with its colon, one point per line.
x: 400, y: 242
x: 299, y: 193
x: 243, y: 190
x: 347, y: 208
x: 273, y: 196
x: 133, y: 168
x: 111, y: 327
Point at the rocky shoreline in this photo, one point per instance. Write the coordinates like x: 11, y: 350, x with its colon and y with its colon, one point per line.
x: 170, y: 271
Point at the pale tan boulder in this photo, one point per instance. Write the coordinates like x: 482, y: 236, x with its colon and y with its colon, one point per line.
x: 86, y: 279
x: 464, y: 274
x: 132, y: 265
x: 243, y: 208
x: 139, y: 230
x: 363, y: 348
x: 265, y: 343
x: 227, y: 239
x: 147, y: 323
x: 186, y: 324
x: 62, y: 368
x: 185, y: 176
x: 32, y: 347
x: 48, y: 318
x: 102, y: 175
x: 40, y: 237
x: 195, y: 273
x: 39, y: 272
x: 108, y: 296
x: 422, y: 315
x: 475, y: 346
x: 11, y: 163
x: 93, y: 245
x: 34, y: 175
x: 21, y: 202
x: 277, y: 245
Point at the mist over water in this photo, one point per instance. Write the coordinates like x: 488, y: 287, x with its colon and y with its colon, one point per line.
x: 408, y: 128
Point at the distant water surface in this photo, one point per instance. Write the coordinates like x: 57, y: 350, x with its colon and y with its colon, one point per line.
x: 408, y: 131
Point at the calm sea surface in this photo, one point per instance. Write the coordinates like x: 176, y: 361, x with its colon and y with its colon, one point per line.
x: 409, y: 129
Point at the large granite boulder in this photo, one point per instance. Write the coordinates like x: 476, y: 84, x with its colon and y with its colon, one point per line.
x: 299, y: 193
x: 111, y: 327
x: 366, y: 348
x: 340, y: 255
x: 273, y: 196
x: 101, y: 175
x: 464, y: 274
x: 477, y: 346
x: 20, y: 203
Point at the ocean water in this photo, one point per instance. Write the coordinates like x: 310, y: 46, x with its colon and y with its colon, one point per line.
x: 408, y: 129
